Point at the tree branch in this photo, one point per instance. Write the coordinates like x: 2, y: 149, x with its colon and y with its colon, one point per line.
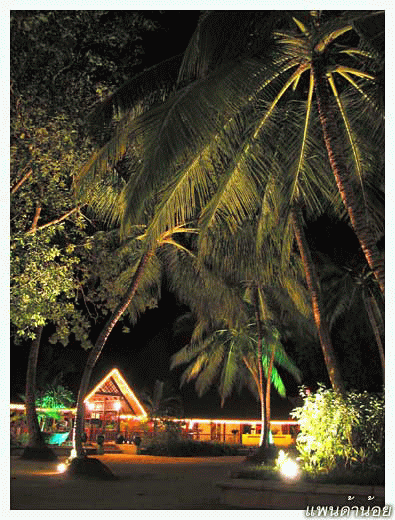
x: 56, y: 221
x: 16, y: 186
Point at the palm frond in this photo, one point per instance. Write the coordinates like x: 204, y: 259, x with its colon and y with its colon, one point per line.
x: 135, y: 96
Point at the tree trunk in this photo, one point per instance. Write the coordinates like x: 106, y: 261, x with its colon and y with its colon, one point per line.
x: 345, y: 184
x: 313, y: 285
x: 97, y: 349
x: 36, y: 439
x: 369, y: 303
x: 268, y: 392
x: 36, y: 448
x: 263, y: 453
x: 263, y: 439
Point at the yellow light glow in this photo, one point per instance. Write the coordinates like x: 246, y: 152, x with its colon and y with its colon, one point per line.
x: 231, y: 421
x: 123, y: 386
x: 290, y: 469
x: 22, y: 407
x: 73, y: 453
x: 62, y: 468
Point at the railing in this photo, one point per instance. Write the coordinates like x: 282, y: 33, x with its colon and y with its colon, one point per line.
x: 229, y: 438
x: 112, y: 436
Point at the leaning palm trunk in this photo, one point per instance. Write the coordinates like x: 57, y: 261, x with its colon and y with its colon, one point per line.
x: 312, y: 283
x: 369, y: 302
x: 335, y: 150
x: 97, y: 349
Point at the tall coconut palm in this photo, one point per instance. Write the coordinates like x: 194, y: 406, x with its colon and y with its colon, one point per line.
x: 234, y: 259
x: 225, y: 98
x: 208, y: 150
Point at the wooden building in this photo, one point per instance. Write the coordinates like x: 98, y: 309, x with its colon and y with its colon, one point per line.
x: 112, y: 409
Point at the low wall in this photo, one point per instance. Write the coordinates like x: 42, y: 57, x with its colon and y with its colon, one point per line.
x: 270, y: 494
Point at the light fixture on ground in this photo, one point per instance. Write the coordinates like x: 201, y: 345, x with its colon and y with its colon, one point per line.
x: 288, y: 467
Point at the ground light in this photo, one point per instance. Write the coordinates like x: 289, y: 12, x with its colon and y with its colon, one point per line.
x: 288, y: 467
x: 62, y: 467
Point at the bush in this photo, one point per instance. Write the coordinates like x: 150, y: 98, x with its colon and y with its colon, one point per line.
x: 337, y: 432
x: 186, y: 448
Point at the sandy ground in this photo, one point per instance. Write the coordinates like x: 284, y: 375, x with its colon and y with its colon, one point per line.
x: 145, y: 482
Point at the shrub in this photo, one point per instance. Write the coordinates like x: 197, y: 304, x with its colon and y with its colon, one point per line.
x: 340, y: 432
x: 186, y: 448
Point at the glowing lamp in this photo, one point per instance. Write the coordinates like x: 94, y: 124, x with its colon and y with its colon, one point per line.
x: 288, y: 467
x: 62, y: 468
x: 117, y: 405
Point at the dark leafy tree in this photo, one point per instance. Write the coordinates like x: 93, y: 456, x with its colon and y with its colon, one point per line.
x: 60, y: 64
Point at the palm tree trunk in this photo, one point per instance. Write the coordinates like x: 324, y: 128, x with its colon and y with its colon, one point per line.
x: 36, y: 439
x: 268, y: 392
x: 369, y: 302
x: 98, y: 347
x: 335, y: 150
x: 321, y: 324
x: 263, y: 439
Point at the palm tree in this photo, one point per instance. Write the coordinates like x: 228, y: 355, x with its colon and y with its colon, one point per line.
x: 212, y: 149
x: 145, y: 273
x: 328, y: 100
x: 162, y: 401
x: 353, y: 289
x: 232, y: 356
x: 225, y: 98
x: 236, y: 269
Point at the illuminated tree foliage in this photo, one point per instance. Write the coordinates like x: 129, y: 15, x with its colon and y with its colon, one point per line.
x: 267, y: 120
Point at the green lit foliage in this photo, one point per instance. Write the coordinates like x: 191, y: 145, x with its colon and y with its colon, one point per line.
x: 338, y: 431
x: 43, y: 286
x: 55, y: 397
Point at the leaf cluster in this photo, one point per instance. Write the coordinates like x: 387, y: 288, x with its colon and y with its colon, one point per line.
x: 338, y: 431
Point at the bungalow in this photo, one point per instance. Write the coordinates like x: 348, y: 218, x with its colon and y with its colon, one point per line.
x: 114, y: 410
